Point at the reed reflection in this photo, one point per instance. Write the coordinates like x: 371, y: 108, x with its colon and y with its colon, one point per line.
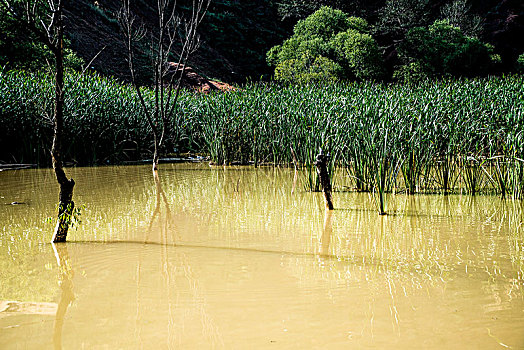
x: 67, y: 296
x: 180, y: 291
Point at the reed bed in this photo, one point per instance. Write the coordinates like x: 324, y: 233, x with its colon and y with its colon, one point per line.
x: 439, y: 136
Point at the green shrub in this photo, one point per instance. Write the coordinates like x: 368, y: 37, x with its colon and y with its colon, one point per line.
x: 341, y: 45
x: 443, y: 49
x: 413, y: 72
x: 323, y: 23
x: 360, y: 53
x: 307, y: 70
x: 520, y: 63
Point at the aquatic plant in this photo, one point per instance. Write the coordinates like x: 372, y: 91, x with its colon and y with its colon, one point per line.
x: 437, y: 136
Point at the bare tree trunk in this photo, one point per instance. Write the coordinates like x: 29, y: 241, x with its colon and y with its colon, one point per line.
x: 155, y: 153
x: 49, y: 29
x: 65, y: 204
x: 325, y: 181
x: 163, y: 41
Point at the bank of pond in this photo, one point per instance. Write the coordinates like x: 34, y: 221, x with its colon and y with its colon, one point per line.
x: 443, y: 136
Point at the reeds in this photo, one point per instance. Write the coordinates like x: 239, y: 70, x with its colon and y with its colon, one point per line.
x: 440, y: 136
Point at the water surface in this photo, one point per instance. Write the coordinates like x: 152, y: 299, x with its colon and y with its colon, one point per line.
x: 236, y: 258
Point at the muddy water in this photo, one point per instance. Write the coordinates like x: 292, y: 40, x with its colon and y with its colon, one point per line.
x: 239, y: 258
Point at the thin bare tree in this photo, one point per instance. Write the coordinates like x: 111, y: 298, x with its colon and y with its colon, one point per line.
x: 172, y: 41
x: 45, y: 20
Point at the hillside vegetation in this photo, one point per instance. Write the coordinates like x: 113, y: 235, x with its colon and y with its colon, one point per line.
x: 236, y: 34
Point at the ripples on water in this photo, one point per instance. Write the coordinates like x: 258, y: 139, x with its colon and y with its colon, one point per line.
x: 211, y: 257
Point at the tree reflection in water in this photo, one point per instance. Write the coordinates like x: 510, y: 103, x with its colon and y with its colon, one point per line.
x: 326, y: 233
x: 67, y: 296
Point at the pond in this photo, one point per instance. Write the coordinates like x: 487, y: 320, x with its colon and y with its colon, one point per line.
x: 243, y: 258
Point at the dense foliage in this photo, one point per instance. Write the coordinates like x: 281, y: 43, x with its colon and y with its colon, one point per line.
x: 236, y: 35
x: 20, y: 48
x: 330, y: 46
x: 327, y: 45
x: 440, y: 135
x: 520, y: 63
x: 442, y: 49
x: 102, y: 118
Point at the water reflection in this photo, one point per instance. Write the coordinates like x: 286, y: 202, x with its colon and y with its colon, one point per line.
x: 67, y: 296
x: 326, y: 233
x: 166, y: 220
x: 173, y: 271
x: 200, y: 257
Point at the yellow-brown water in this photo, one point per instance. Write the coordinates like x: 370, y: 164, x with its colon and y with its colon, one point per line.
x: 240, y: 258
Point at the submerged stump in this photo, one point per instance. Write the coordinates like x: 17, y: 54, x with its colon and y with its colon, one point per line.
x: 325, y: 181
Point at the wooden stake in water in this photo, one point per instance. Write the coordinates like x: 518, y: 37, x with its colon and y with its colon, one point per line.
x: 325, y: 181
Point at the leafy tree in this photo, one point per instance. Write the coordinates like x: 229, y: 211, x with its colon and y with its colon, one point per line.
x: 307, y: 69
x: 442, y: 49
x: 398, y: 16
x: 21, y: 48
x: 324, y: 23
x: 360, y: 53
x: 520, y: 64
x: 458, y: 14
x: 300, y: 9
x: 331, y: 42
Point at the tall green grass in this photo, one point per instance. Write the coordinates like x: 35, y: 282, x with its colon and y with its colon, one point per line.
x: 103, y: 120
x: 439, y: 136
